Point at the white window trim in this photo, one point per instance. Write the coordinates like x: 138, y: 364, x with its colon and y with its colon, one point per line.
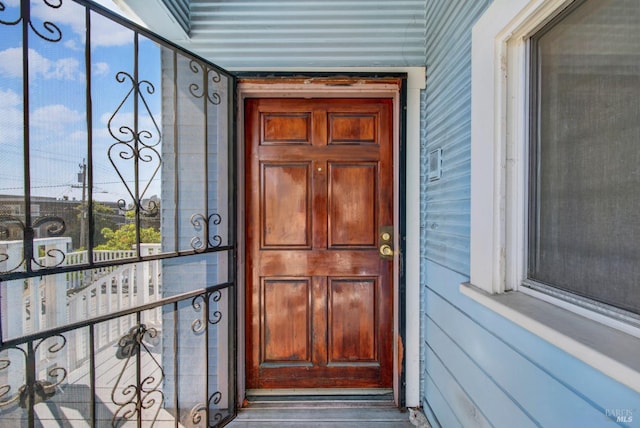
x: 499, y: 158
x: 498, y: 131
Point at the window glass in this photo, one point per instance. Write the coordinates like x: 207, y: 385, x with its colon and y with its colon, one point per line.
x: 585, y: 168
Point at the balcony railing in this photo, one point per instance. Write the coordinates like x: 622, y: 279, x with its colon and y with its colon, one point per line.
x: 125, y: 367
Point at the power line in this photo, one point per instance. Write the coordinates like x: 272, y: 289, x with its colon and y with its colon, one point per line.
x: 71, y: 185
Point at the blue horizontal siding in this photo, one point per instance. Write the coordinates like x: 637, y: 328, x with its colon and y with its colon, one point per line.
x: 479, y: 369
x: 446, y: 124
x: 445, y: 356
x: 180, y: 11
x: 522, y: 374
x: 309, y: 33
x: 446, y: 416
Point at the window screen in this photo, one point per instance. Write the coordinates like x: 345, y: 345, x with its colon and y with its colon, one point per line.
x: 584, y: 221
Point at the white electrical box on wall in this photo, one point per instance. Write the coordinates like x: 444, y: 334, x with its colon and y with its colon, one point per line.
x: 435, y: 164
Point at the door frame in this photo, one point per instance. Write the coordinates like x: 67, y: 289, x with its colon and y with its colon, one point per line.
x: 393, y: 84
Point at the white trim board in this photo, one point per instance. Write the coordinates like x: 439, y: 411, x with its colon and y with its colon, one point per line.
x: 415, y: 83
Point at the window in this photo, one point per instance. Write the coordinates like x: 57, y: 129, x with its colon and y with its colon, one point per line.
x: 584, y: 175
x: 554, y: 154
x: 515, y: 46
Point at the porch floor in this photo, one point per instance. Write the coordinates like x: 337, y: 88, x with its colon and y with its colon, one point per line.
x: 322, y: 415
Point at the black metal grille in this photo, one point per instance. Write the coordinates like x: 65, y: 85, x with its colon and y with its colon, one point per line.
x: 133, y: 147
x: 117, y: 295
x: 134, y: 387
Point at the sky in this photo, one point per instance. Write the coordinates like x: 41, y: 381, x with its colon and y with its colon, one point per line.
x: 58, y: 103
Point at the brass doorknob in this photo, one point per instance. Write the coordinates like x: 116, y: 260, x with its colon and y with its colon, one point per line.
x: 386, y: 250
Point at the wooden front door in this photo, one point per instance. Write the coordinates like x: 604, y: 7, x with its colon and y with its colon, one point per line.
x: 319, y: 195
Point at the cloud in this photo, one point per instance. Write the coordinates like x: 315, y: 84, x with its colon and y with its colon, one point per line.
x: 78, y: 137
x: 54, y: 118
x: 9, y: 99
x: 10, y: 117
x: 108, y: 33
x: 103, y: 31
x: 63, y: 69
x: 46, y: 123
x: 11, y: 62
x: 100, y: 69
x: 73, y: 45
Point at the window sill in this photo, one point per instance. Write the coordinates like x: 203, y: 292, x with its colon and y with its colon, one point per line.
x: 606, y: 349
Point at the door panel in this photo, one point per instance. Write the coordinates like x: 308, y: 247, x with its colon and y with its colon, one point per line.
x: 286, y: 333
x: 319, y: 297
x: 286, y: 221
x: 352, y: 204
x: 352, y: 323
x: 286, y: 129
x: 352, y: 128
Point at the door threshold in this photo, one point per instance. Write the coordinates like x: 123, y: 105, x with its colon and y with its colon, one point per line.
x: 320, y: 397
x: 319, y: 391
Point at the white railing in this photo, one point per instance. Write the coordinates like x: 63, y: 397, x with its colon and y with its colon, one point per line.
x: 127, y: 286
x: 78, y: 279
x: 90, y: 294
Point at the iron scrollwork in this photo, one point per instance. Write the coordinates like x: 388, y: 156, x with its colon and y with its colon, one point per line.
x: 200, y: 410
x: 52, y: 33
x: 209, y: 241
x: 212, y: 318
x: 40, y: 389
x: 210, y: 79
x: 202, y: 303
x: 139, y: 145
x: 55, y: 227
x: 132, y: 399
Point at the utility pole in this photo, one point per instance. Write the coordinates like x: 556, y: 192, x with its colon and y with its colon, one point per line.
x: 82, y: 179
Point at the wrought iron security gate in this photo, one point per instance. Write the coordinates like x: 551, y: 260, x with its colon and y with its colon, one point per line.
x: 117, y: 223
